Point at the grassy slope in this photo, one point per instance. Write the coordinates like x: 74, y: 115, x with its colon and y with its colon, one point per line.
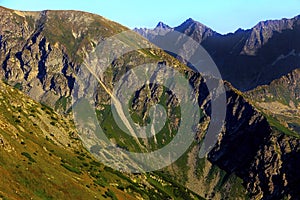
x: 41, y: 158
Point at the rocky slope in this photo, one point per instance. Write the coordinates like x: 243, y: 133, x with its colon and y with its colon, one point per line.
x: 41, y: 53
x: 280, y: 99
x: 254, y: 149
x: 260, y: 149
x: 248, y: 58
x: 245, y: 58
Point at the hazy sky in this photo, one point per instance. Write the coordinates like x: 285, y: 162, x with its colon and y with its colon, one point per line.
x: 221, y: 15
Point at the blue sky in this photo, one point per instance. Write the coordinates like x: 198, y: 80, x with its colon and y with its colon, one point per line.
x: 221, y: 15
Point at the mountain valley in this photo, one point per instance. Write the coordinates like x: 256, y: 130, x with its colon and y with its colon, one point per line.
x: 42, y: 157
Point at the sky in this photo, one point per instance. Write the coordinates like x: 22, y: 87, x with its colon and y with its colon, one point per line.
x: 222, y: 16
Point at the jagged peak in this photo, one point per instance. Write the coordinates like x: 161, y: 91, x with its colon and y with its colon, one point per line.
x: 162, y: 25
x: 239, y: 30
x: 190, y: 22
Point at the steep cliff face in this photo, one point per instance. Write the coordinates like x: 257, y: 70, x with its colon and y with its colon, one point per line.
x: 257, y: 151
x: 254, y: 150
x: 274, y: 173
x: 225, y: 171
x: 39, y: 51
x: 245, y: 130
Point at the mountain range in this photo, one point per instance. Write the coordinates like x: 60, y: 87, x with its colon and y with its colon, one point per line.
x: 257, y: 152
x: 245, y: 58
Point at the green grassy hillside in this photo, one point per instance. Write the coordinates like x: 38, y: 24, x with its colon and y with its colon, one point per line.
x: 41, y: 157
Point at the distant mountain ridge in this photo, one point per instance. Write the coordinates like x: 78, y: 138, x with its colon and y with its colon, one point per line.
x: 264, y: 30
x: 160, y: 29
x: 248, y: 58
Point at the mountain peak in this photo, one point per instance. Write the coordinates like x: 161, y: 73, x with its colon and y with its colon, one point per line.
x: 193, y: 28
x: 162, y: 25
x: 190, y: 20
